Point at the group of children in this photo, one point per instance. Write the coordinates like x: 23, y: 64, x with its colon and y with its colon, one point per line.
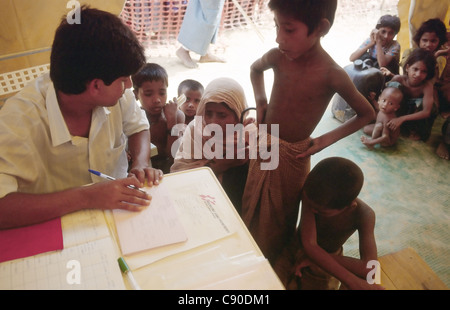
x: 420, y: 75
x: 306, y: 254
x: 268, y: 200
x: 309, y: 255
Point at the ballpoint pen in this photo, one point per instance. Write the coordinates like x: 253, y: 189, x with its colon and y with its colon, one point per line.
x: 102, y: 175
x: 126, y: 270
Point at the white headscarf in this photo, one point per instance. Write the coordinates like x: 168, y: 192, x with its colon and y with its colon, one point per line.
x: 220, y: 90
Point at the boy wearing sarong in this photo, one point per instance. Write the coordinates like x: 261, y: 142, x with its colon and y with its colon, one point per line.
x: 305, y: 79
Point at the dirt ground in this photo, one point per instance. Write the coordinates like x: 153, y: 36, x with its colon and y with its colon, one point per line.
x: 240, y: 47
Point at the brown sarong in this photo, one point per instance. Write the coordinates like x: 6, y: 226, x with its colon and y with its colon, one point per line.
x: 271, y: 198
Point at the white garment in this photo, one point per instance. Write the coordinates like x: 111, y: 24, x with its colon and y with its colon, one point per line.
x: 200, y: 25
x: 38, y: 153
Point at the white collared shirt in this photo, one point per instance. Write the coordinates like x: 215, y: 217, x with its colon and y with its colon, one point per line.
x: 39, y: 155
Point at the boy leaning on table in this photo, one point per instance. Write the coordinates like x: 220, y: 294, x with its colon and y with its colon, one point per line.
x: 80, y: 116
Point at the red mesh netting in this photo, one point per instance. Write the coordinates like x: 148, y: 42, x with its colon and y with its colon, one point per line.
x: 157, y: 23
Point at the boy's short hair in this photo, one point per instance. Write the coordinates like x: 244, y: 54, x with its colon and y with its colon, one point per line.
x: 101, y: 46
x: 432, y: 25
x: 420, y: 54
x: 150, y: 72
x: 390, y: 21
x: 190, y: 84
x: 310, y: 12
x: 334, y: 183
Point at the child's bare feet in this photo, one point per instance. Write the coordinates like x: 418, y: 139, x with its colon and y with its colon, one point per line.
x: 185, y: 57
x: 365, y: 141
x: 442, y: 151
x: 211, y: 58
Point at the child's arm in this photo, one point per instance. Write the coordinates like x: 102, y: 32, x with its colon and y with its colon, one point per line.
x: 320, y: 257
x: 341, y: 83
x: 174, y: 116
x: 363, y: 48
x: 382, y: 58
x: 257, y: 78
x: 428, y: 99
x: 367, y: 244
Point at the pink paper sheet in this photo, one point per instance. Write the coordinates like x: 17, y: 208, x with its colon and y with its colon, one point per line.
x: 31, y: 240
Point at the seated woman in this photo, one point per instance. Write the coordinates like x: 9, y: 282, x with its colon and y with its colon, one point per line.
x: 207, y: 141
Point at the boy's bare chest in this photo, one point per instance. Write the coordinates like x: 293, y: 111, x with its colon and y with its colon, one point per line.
x: 339, y: 226
x: 301, y: 82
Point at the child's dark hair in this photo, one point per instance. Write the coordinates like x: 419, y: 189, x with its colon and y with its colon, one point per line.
x: 334, y: 183
x: 390, y: 21
x: 190, y: 84
x: 101, y: 46
x: 150, y: 72
x: 310, y: 12
x: 432, y: 25
x: 428, y: 59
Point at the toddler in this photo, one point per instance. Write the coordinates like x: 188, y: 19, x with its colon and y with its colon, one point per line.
x: 389, y: 102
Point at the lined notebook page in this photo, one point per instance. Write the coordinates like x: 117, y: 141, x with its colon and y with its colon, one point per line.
x: 84, y: 226
x: 155, y: 226
x: 91, y: 265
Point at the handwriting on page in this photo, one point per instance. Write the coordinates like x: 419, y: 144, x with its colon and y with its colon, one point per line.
x: 96, y: 263
x: 155, y: 226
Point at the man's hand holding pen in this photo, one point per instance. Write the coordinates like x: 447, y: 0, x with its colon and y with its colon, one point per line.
x: 117, y: 194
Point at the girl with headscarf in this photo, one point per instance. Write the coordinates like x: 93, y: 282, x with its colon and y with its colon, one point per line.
x: 211, y: 139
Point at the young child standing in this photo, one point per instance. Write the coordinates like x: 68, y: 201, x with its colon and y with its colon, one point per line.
x: 193, y: 90
x: 380, y: 47
x: 418, y: 118
x: 389, y: 102
x: 305, y: 79
x: 331, y: 213
x: 150, y: 88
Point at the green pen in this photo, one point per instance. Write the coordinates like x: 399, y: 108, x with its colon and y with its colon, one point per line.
x: 126, y: 270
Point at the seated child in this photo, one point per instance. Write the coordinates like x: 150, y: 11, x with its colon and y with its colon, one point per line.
x: 150, y: 88
x: 420, y: 110
x: 330, y: 213
x: 381, y: 48
x: 389, y: 102
x: 442, y: 84
x: 193, y: 90
x: 222, y: 104
x: 431, y: 36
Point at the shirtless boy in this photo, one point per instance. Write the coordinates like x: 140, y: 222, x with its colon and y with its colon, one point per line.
x: 150, y: 88
x: 331, y: 213
x: 305, y: 79
x: 193, y: 90
x: 389, y: 102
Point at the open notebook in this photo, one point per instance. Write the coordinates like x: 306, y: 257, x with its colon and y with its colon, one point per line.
x: 155, y: 226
